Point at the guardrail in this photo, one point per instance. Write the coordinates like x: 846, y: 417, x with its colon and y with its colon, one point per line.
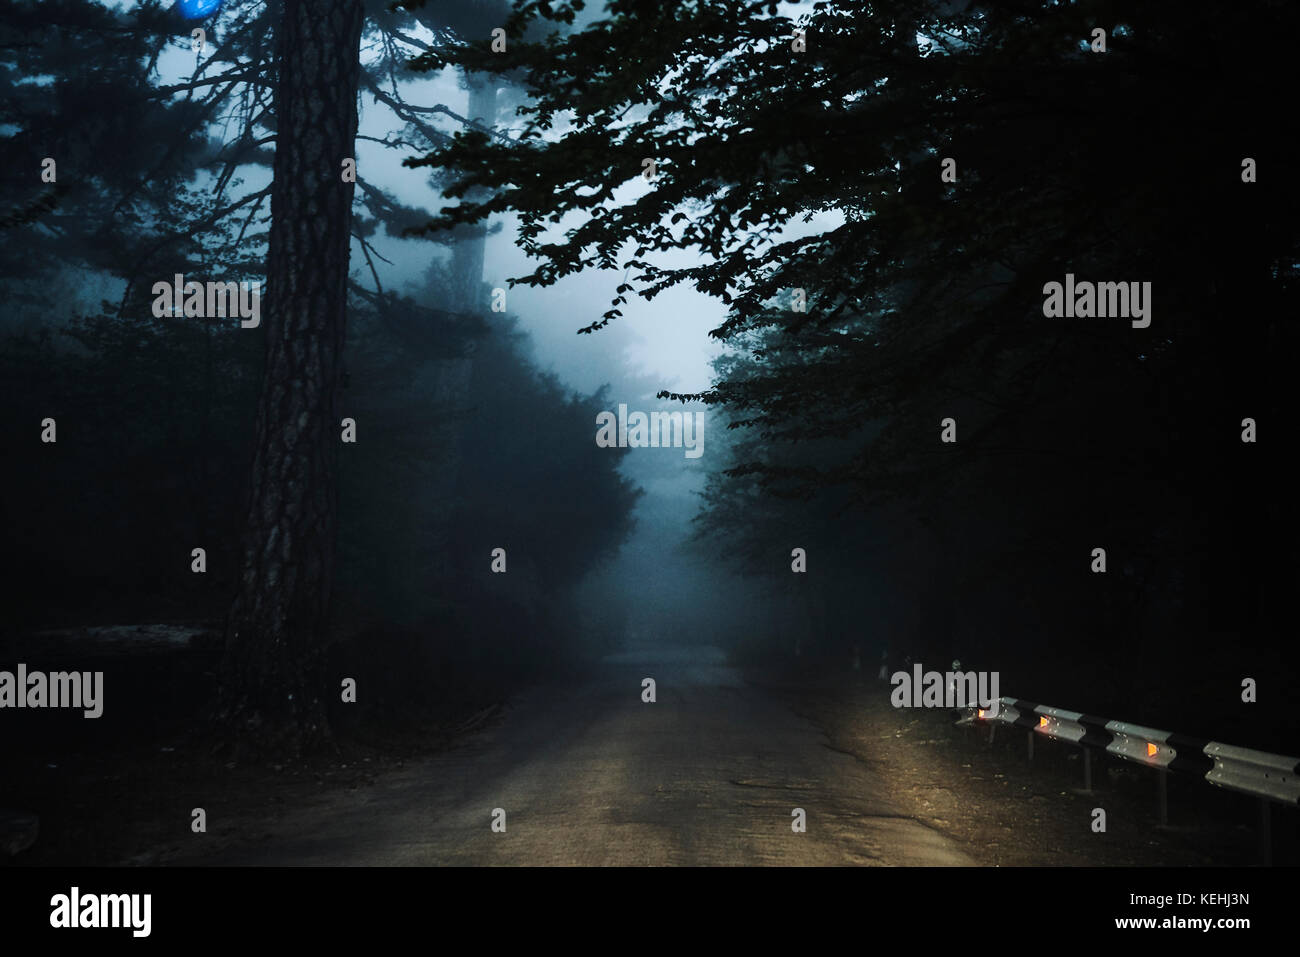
x: 1273, y: 778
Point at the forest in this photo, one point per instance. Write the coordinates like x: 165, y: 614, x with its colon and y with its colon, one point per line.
x: 989, y: 309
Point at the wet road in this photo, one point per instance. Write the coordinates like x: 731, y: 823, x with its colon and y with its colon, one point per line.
x: 708, y: 774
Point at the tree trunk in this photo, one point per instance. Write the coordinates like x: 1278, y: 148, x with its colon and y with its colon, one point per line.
x: 272, y: 691
x: 468, y: 252
x: 464, y: 296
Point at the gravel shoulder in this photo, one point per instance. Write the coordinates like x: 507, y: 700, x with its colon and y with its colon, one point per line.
x: 1003, y: 810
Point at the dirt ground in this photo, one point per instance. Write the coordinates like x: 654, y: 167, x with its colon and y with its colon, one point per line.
x: 1008, y: 811
x: 136, y: 808
x: 111, y: 806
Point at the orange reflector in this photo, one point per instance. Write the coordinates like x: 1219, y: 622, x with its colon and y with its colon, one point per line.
x: 1151, y: 750
x: 1042, y: 722
x: 980, y: 711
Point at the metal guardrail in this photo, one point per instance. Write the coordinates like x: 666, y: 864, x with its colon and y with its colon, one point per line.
x: 1273, y: 778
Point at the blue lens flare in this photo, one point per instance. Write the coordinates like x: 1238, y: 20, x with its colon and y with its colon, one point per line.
x: 197, y: 9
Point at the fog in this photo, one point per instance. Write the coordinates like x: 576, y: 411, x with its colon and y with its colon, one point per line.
x: 432, y: 479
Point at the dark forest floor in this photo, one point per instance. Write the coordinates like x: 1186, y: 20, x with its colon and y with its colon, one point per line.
x: 122, y: 788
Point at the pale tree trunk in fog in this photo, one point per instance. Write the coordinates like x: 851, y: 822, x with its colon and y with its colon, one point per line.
x: 271, y: 683
x: 467, y: 254
x: 465, y: 292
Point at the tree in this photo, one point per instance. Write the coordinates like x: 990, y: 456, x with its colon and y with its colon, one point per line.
x: 95, y: 150
x: 152, y: 183
x: 271, y: 684
x: 817, y: 168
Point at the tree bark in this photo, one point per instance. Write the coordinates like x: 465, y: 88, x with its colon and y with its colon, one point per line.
x: 272, y: 691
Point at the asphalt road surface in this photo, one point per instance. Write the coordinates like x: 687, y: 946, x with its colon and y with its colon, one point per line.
x: 708, y: 774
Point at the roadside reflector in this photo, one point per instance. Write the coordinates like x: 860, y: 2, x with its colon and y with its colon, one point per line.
x: 979, y: 712
x: 1042, y: 722
x: 1151, y: 750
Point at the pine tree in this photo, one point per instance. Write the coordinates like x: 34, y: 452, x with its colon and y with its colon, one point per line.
x: 271, y: 681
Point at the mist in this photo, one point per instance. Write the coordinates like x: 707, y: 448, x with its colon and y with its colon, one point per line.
x: 595, y: 414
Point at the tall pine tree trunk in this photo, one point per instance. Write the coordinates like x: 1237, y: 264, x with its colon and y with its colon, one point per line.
x: 272, y: 685
x: 463, y: 295
x: 467, y: 254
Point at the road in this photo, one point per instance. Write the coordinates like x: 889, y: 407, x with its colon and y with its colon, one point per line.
x: 708, y: 774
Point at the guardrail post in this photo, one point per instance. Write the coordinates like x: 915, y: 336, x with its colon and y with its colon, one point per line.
x: 1265, y: 833
x: 1164, y: 796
